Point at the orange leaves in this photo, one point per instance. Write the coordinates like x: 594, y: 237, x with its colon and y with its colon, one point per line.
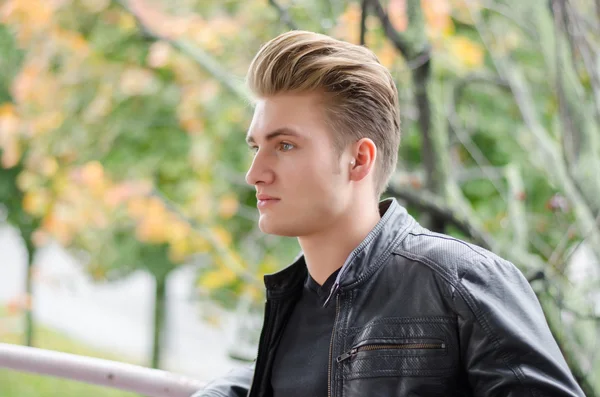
x: 68, y: 201
x: 467, y: 52
x: 388, y: 54
x: 91, y: 173
x: 59, y: 226
x: 32, y: 16
x: 155, y: 224
x: 136, y: 207
x: 71, y: 94
x: 347, y: 24
x: 191, y: 106
x: 152, y: 227
x: 18, y: 304
x: 91, y: 178
x: 397, y: 14
x: 438, y: 16
x: 207, y: 34
x: 24, y: 83
x: 163, y: 25
x: 126, y: 192
x: 228, y: 206
x: 9, y: 136
x: 463, y: 53
x: 37, y: 202
x: 71, y: 41
x: 48, y: 166
x: 189, y: 110
x: 11, y: 153
x: 9, y: 122
x: 45, y: 122
x: 39, y: 89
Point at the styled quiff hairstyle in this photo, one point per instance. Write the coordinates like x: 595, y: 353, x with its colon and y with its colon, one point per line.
x: 360, y: 97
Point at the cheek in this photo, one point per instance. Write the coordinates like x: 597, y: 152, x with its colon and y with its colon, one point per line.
x: 320, y: 180
x: 312, y: 173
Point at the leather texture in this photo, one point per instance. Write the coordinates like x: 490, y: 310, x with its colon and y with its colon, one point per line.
x: 418, y: 314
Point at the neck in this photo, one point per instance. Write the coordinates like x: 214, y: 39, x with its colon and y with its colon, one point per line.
x: 327, y: 250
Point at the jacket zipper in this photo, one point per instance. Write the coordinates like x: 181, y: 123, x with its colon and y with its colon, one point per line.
x: 337, y: 298
x: 402, y: 346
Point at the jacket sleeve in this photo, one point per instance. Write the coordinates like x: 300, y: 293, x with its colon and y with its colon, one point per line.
x: 506, y: 344
x: 236, y: 383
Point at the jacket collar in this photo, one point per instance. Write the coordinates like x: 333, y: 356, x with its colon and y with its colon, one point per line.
x: 362, y: 262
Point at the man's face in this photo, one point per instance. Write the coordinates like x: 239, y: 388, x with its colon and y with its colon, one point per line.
x: 301, y: 184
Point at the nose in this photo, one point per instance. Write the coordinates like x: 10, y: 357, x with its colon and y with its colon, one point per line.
x: 260, y: 171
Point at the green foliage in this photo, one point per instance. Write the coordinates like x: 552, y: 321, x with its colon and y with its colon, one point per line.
x: 17, y: 384
x: 9, y: 62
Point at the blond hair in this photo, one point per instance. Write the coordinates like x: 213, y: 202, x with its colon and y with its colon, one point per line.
x: 361, y: 97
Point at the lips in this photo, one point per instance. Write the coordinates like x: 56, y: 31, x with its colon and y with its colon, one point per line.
x: 265, y: 200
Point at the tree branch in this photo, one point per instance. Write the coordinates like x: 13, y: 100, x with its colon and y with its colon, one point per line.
x: 516, y: 207
x: 284, y: 15
x: 545, y: 151
x: 364, y: 8
x: 229, y: 260
x: 571, y: 137
x: 401, y: 43
x: 414, y: 47
x: 454, y: 124
x: 565, y: 339
x: 435, y: 206
x: 197, y: 54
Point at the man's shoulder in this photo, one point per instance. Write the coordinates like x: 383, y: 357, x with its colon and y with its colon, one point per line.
x: 446, y: 255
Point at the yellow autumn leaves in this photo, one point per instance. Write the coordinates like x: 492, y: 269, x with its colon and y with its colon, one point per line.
x: 73, y: 199
x: 222, y: 276
x: 465, y: 53
x: 9, y: 139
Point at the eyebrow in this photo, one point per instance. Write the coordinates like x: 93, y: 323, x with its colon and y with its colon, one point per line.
x: 283, y: 131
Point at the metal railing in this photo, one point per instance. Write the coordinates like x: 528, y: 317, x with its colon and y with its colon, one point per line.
x: 127, y: 377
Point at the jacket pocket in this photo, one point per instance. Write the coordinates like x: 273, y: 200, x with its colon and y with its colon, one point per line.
x: 408, y: 346
x: 399, y: 347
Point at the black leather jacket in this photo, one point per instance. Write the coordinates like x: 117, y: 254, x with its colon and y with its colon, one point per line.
x: 418, y: 314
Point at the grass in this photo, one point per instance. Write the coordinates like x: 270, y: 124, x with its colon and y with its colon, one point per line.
x: 18, y: 384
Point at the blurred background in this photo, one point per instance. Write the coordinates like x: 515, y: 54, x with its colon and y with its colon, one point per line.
x: 126, y: 228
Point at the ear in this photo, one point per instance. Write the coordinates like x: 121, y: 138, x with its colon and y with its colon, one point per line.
x: 362, y: 163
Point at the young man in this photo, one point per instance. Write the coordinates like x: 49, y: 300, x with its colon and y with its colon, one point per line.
x: 376, y: 305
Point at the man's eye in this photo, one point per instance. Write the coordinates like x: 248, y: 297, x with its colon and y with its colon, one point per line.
x: 286, y: 146
x: 253, y: 149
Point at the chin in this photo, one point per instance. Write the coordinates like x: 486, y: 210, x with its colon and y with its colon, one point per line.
x: 268, y: 225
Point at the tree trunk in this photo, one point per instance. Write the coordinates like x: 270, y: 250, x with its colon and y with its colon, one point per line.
x: 160, y: 302
x: 557, y: 328
x: 29, y: 327
x: 413, y: 44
